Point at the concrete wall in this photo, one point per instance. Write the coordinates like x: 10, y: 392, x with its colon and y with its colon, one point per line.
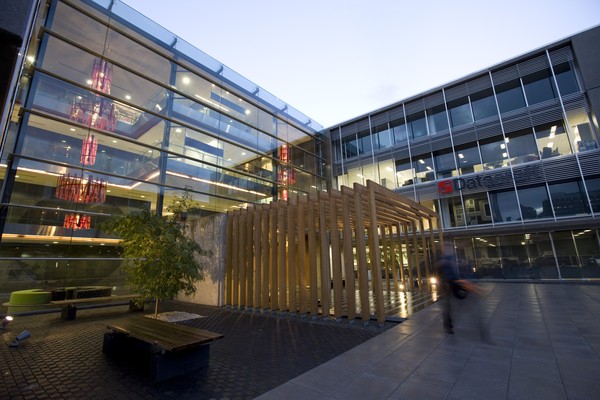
x: 209, y: 232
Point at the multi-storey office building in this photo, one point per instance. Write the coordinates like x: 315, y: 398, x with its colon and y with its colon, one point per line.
x: 114, y: 113
x: 508, y: 156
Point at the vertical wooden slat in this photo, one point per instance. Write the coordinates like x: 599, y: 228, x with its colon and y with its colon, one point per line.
x: 336, y: 257
x: 266, y: 246
x: 257, y: 231
x: 312, y: 258
x: 417, y: 256
x: 302, y: 272
x: 243, y: 259
x: 393, y: 259
x: 425, y: 253
x: 411, y: 281
x: 235, y: 287
x: 375, y: 258
x: 281, y: 241
x: 229, y: 259
x: 274, y: 304
x: 400, y: 255
x: 249, y: 258
x: 363, y: 279
x: 325, y: 265
x: 385, y: 254
x: 292, y: 267
x: 348, y: 257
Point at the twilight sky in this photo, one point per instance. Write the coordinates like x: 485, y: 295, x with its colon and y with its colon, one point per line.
x: 334, y: 60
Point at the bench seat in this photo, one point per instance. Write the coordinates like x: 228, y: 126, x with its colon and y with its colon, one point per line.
x: 69, y: 306
x: 163, y: 349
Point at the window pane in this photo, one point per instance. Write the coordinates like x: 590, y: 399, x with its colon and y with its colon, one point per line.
x: 543, y: 262
x: 539, y: 87
x: 552, y: 140
x: 567, y: 83
x: 515, y: 257
x: 488, y: 257
x: 350, y: 146
x: 467, y: 159
x: 383, y: 137
x: 477, y: 209
x: 493, y: 154
x: 534, y: 202
x: 483, y: 104
x: 588, y: 250
x: 566, y: 254
x: 510, y: 96
x: 437, y: 119
x: 399, y: 131
x: 521, y: 147
x: 460, y: 112
x: 568, y: 198
x: 404, y: 173
x: 386, y: 174
x: 444, y: 164
x: 424, y: 169
x: 593, y: 187
x: 584, y: 136
x: 416, y: 125
x: 504, y: 206
x: 364, y: 143
x: 452, y: 212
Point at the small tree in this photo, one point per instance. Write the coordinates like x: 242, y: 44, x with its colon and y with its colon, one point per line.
x: 161, y: 260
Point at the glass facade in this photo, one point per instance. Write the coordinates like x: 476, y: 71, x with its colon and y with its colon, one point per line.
x: 114, y: 114
x: 506, y: 157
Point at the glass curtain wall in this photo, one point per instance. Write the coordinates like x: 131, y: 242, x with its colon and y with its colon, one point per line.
x: 112, y: 123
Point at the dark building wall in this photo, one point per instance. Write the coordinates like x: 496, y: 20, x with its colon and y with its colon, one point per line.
x: 14, y: 19
x: 586, y: 46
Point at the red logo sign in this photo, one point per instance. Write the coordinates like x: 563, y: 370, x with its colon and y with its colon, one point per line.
x: 445, y: 187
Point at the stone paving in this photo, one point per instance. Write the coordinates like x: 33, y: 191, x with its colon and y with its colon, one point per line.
x: 64, y: 359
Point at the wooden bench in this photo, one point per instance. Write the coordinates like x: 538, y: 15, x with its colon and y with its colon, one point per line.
x: 69, y: 306
x: 162, y: 349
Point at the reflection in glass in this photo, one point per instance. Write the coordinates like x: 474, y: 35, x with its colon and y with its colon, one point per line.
x: 437, y: 119
x: 567, y: 82
x: 504, y: 206
x: 460, y: 112
x: 588, y: 251
x: 399, y: 131
x: 493, y: 153
x: 515, y: 256
x: 510, y: 96
x: 593, y: 187
x: 566, y: 254
x: 534, y: 202
x: 568, y: 198
x: 483, y: 104
x: 444, y: 164
x: 488, y: 257
x: 417, y: 126
x: 539, y: 87
x: 543, y: 261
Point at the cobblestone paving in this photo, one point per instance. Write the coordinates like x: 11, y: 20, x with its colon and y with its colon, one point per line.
x: 64, y: 359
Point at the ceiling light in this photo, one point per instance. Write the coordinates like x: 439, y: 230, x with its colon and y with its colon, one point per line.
x: 460, y: 155
x: 421, y: 161
x: 72, y: 129
x: 89, y: 82
x: 128, y: 97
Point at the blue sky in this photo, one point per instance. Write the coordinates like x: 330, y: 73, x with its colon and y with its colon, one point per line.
x: 334, y: 60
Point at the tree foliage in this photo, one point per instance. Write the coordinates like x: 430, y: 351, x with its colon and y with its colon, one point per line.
x: 161, y: 260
